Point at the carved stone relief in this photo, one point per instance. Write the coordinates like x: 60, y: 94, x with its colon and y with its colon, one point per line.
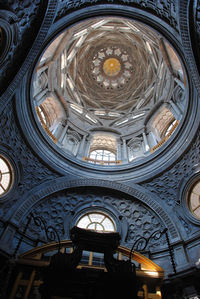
x: 185, y: 31
x: 198, y: 19
x: 196, y: 37
x: 33, y: 171
x: 166, y: 185
x: 166, y: 10
x: 21, y: 15
x: 24, y: 10
x: 142, y: 222
x: 59, y: 210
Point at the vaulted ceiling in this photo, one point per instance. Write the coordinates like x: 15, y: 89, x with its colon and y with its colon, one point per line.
x: 113, y: 74
x: 112, y: 69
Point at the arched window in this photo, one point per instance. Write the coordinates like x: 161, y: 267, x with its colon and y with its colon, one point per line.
x: 97, y: 221
x: 171, y: 128
x: 194, y: 200
x: 42, y: 115
x: 53, y: 110
x: 6, y: 175
x: 102, y: 155
x: 161, y: 122
x: 103, y: 149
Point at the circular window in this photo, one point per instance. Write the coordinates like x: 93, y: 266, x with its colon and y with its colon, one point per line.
x: 194, y: 200
x: 6, y: 176
x: 96, y: 221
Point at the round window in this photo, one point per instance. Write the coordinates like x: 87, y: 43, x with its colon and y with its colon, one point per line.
x: 96, y: 221
x: 194, y: 200
x: 6, y: 176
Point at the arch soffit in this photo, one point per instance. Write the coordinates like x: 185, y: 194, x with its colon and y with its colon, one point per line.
x: 40, y: 192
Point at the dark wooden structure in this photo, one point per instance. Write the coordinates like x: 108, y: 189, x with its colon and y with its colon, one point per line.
x: 63, y: 279
x: 55, y: 271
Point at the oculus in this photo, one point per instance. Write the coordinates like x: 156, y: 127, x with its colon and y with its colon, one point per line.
x: 6, y: 176
x: 111, y: 67
x: 194, y: 200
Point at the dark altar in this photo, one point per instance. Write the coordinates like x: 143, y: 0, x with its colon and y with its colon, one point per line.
x: 63, y: 278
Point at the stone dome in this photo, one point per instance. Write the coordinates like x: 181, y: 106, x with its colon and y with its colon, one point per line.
x: 109, y: 78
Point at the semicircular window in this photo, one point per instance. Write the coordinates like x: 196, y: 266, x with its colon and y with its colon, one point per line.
x: 194, y: 200
x: 110, y: 80
x: 96, y: 221
x: 6, y: 176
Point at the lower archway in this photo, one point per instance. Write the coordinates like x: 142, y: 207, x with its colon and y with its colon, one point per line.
x: 31, y: 264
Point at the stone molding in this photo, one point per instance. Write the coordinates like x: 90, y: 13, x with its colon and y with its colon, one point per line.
x: 36, y: 48
x: 166, y: 10
x: 184, y: 6
x: 42, y: 191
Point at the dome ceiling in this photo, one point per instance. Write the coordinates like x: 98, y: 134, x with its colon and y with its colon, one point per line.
x: 110, y: 75
x: 103, y: 66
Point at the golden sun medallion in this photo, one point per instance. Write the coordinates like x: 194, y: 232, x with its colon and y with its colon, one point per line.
x: 111, y: 67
